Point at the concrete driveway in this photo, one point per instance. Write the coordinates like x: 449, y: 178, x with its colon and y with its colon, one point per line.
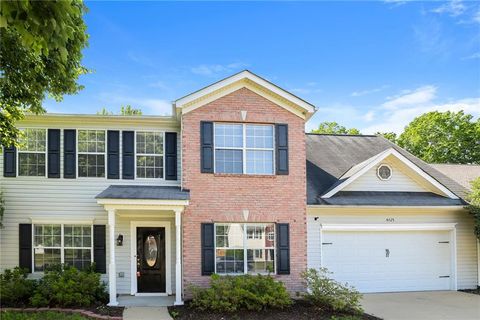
x: 434, y: 305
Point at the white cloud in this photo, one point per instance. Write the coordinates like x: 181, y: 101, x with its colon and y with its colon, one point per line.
x: 368, y: 91
x: 214, y: 69
x: 397, y: 118
x: 369, y: 116
x: 476, y: 55
x: 454, y: 8
x: 160, y: 85
x: 418, y: 96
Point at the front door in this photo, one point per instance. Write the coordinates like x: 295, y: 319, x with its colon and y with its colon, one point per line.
x: 150, y: 259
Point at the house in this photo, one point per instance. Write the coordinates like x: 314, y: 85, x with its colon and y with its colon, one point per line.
x: 463, y: 174
x: 229, y: 184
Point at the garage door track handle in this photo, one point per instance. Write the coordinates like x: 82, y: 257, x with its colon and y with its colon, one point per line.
x: 387, y: 253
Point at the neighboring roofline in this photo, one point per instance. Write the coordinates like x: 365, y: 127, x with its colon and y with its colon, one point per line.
x: 98, y: 116
x: 342, y: 135
x: 377, y: 159
x: 456, y: 164
x: 246, y: 74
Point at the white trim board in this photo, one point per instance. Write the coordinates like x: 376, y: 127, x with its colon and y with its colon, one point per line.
x: 380, y: 157
x: 133, y: 256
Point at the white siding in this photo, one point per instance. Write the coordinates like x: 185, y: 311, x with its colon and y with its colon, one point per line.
x: 467, y: 259
x: 402, y: 180
x: 62, y: 199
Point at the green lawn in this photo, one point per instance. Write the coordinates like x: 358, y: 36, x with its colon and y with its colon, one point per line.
x: 46, y: 315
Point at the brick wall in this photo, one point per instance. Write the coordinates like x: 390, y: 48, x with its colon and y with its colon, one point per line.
x: 222, y: 198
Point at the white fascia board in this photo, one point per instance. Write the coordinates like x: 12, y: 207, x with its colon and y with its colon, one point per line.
x: 148, y: 202
x: 328, y: 206
x: 388, y: 227
x: 309, y: 108
x: 377, y: 160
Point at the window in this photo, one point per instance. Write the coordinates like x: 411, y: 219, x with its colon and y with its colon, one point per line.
x: 74, y: 250
x: 91, y: 153
x: 32, y: 153
x: 384, y: 172
x: 244, y: 248
x: 244, y: 148
x: 149, y: 150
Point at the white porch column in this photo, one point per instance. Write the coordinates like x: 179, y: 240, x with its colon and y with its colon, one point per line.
x: 178, y: 254
x: 112, y: 273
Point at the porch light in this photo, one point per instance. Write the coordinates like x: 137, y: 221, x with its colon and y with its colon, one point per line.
x: 120, y: 240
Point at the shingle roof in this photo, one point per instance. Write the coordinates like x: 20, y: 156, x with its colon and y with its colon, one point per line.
x: 144, y: 192
x: 463, y: 174
x: 381, y: 198
x: 330, y: 156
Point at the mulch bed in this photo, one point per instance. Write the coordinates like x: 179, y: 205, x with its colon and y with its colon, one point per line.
x: 300, y: 310
x: 472, y: 291
x: 100, y: 312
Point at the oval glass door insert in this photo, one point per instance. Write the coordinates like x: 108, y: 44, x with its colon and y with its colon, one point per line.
x: 150, y: 250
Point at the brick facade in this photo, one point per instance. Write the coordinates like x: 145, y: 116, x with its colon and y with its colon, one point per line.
x: 222, y: 198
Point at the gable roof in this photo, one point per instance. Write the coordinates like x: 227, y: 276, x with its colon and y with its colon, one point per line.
x: 331, y: 159
x: 463, y: 174
x: 245, y: 79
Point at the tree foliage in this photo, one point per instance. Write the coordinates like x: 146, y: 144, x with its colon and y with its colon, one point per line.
x: 127, y: 110
x: 334, y: 128
x: 443, y: 137
x: 41, y: 45
x: 474, y: 206
x: 392, y: 136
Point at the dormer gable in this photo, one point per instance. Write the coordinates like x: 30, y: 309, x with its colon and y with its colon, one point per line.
x: 249, y: 80
x: 388, y: 171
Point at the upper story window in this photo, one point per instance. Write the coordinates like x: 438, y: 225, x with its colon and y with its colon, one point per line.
x: 149, y: 153
x: 91, y: 153
x: 32, y: 153
x: 244, y: 148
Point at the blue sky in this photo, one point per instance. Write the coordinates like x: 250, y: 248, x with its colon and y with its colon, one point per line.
x: 369, y: 65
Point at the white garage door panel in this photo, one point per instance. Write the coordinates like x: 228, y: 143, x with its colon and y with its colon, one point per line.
x: 417, y: 260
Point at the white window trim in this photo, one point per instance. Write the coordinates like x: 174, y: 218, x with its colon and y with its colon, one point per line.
x: 39, y: 152
x: 245, y: 248
x: 92, y: 153
x: 146, y: 154
x: 244, y: 148
x: 62, y: 242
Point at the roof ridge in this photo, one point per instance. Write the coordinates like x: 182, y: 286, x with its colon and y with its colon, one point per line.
x: 341, y: 134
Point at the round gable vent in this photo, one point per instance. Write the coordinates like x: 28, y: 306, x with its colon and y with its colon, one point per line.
x: 384, y: 172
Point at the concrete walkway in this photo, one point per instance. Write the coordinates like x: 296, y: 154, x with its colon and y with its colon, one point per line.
x: 146, y: 313
x: 429, y: 305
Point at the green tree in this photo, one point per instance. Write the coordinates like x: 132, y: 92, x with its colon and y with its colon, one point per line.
x: 474, y: 206
x: 334, y: 128
x: 127, y: 110
x: 443, y: 137
x: 392, y: 136
x: 41, y: 45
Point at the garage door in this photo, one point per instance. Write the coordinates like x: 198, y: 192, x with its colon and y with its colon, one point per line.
x: 389, y: 261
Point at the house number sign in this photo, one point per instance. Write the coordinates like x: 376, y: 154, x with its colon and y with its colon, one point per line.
x: 390, y: 219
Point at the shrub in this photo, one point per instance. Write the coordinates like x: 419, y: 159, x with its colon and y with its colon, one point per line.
x: 15, y: 288
x: 68, y: 287
x: 328, y: 293
x: 244, y: 292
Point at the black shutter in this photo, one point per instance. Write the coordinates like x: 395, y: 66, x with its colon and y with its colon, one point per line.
x: 69, y: 154
x: 206, y: 145
x: 10, y: 161
x: 170, y: 156
x: 54, y: 153
x: 128, y: 157
x: 113, y: 154
x: 25, y: 246
x: 281, y: 144
x: 283, y: 248
x: 208, y: 249
x: 99, y: 248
